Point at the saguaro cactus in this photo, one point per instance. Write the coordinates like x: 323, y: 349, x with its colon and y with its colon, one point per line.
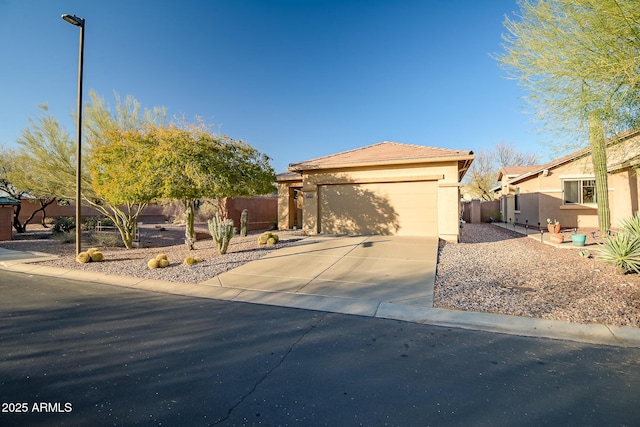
x: 222, y: 232
x: 244, y: 219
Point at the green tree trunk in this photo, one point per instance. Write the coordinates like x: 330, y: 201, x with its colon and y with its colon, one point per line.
x: 599, y: 159
x: 124, y: 217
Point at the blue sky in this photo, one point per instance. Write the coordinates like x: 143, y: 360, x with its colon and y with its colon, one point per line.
x: 295, y: 79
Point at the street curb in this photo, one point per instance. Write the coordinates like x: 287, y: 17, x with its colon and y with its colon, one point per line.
x: 621, y: 336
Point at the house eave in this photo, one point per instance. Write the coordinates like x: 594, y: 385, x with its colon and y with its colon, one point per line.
x: 305, y: 167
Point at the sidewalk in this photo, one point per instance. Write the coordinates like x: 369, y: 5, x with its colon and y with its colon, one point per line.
x: 423, y: 312
x: 534, y: 233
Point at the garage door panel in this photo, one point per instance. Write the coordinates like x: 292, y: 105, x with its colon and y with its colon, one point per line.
x: 379, y: 208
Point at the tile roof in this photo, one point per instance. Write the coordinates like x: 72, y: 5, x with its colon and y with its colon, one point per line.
x: 616, y: 139
x: 289, y: 176
x: 382, y: 152
x: 5, y: 201
x: 518, y: 170
x: 514, y: 171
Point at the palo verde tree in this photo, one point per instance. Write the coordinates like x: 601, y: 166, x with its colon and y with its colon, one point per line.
x: 579, y: 60
x: 119, y: 150
x: 193, y: 164
x: 123, y: 178
x: 47, y: 147
x: 41, y: 167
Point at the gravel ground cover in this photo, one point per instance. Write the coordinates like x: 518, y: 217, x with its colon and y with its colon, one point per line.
x: 492, y: 270
x: 155, y: 239
x: 499, y: 271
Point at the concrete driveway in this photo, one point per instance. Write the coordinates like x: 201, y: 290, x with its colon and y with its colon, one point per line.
x: 392, y: 269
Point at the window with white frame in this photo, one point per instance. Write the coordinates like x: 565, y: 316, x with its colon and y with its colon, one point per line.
x: 579, y: 191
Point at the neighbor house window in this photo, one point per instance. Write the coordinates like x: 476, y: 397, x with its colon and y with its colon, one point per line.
x: 517, y: 199
x: 580, y: 191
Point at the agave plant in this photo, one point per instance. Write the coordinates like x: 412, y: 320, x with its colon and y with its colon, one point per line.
x: 621, y: 250
x: 631, y: 225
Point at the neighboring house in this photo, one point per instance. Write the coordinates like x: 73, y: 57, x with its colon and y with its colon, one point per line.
x: 564, y: 189
x: 385, y: 188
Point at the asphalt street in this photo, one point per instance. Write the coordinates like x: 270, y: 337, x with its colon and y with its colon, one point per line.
x: 75, y: 353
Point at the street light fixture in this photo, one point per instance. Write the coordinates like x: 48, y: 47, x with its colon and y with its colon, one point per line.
x: 78, y: 22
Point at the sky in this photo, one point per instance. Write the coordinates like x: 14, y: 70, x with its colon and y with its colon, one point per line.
x: 296, y: 79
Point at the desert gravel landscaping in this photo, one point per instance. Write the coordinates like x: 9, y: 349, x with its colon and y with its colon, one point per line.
x: 499, y: 271
x: 492, y: 270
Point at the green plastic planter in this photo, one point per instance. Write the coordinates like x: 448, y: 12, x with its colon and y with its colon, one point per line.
x: 578, y: 239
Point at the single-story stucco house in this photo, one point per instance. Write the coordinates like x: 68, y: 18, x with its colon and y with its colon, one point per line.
x: 385, y: 188
x: 564, y: 189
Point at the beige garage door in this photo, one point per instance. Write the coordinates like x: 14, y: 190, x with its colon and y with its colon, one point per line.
x: 399, y: 208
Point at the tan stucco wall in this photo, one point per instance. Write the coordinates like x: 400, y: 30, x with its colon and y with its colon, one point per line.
x: 284, y: 207
x: 446, y: 175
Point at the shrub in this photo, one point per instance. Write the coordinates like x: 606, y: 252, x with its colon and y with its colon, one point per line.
x: 623, y: 251
x: 110, y: 240
x: 495, y: 216
x: 91, y: 222
x: 63, y: 224
x: 66, y: 237
x: 631, y: 225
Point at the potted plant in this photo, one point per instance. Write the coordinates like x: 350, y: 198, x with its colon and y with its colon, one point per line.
x: 578, y: 239
x: 553, y: 226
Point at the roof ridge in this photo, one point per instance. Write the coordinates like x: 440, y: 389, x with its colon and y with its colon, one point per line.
x: 370, y: 146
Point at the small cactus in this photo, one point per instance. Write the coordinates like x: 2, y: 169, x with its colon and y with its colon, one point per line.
x: 198, y: 259
x: 189, y: 261
x: 83, y: 258
x: 222, y: 232
x: 90, y: 251
x: 96, y: 256
x: 268, y: 238
x: 161, y: 256
x: 153, y: 264
x: 163, y: 263
x: 244, y: 219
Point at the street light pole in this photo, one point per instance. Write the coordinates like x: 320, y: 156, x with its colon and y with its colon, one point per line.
x: 78, y: 22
